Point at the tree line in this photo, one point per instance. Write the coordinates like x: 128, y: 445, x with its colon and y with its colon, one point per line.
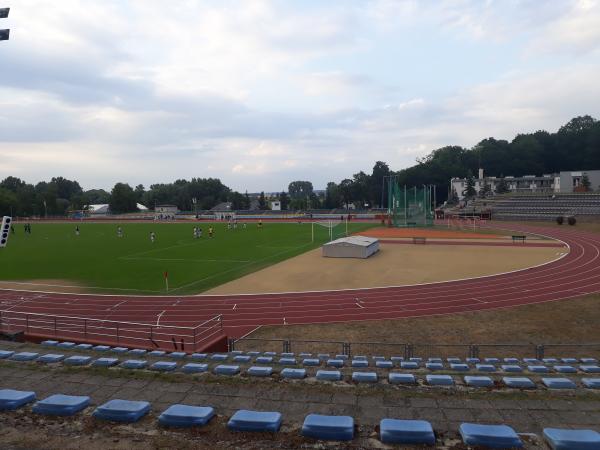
x: 575, y: 146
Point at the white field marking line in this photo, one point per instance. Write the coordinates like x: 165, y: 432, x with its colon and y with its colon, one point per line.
x: 159, y: 316
x: 143, y: 258
x: 238, y: 267
x: 70, y: 286
x: 161, y: 249
x: 482, y: 278
x: 234, y: 306
x: 112, y: 308
x: 176, y: 303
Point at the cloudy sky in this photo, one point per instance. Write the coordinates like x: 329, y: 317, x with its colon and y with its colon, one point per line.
x: 259, y: 93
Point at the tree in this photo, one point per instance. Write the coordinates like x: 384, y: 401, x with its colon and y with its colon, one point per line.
x: 470, y: 191
x: 332, y: 196
x: 139, y: 192
x: 502, y: 187
x: 96, y: 196
x: 585, y: 183
x: 300, y: 189
x: 13, y: 184
x: 486, y: 190
x: 453, y: 199
x: 346, y: 192
x: 122, y: 199
x: 378, y: 195
x: 262, y: 202
x: 284, y: 200
x: 8, y: 202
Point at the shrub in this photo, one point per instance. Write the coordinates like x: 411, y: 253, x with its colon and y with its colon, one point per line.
x: 560, y: 220
x: 572, y: 220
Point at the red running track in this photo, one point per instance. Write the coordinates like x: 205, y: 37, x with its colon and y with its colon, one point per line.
x: 576, y: 274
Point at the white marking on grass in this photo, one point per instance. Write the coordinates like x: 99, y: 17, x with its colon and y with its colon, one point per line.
x: 141, y: 258
x: 159, y: 316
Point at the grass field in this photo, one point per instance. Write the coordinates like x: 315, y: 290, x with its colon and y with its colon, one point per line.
x: 99, y: 261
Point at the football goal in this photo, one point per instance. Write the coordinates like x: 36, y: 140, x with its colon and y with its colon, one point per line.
x: 335, y: 228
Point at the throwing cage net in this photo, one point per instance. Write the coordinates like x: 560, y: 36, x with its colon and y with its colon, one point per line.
x: 410, y: 207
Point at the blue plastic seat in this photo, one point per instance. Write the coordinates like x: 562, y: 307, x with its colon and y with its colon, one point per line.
x: 137, y: 352
x: 416, y: 359
x: 66, y: 345
x: 565, y: 369
x: 253, y: 354
x: 472, y: 360
x: 511, y: 360
x: 485, y: 367
x: 511, y: 368
x: 105, y: 362
x: 549, y: 360
x: 364, y: 377
x: 101, y: 348
x: 164, y: 366
x: 384, y: 364
x: 401, y: 378
x: 344, y: 357
x: 363, y: 357
x: 409, y: 365
x: 287, y: 354
x: 589, y: 369
x: 194, y: 368
x: 236, y: 352
x: 440, y: 380
x: 122, y: 410
x: 329, y: 375
x: 378, y: 358
x: 479, y: 381
x: 270, y: 354
x: 532, y: 361
x: 264, y: 360
x: 24, y: 356
x: 414, y: 432
x: 493, y: 436
x: 519, y: 382
x: 287, y: 361
x: 491, y: 360
x: 434, y: 360
x: 119, y: 350
x: 77, y: 360
x: 335, y: 363
x: 304, y: 355
x: 311, y: 362
x: 134, y: 364
x: 293, y: 373
x: 560, y: 439
x: 84, y: 346
x: 49, y: 343
x: 177, y: 355
x: 11, y: 399
x: 591, y: 383
x: 245, y: 420
x: 328, y: 428
x: 558, y: 383
x: 198, y: 356
x: 157, y: 353
x: 538, y: 369
x: 395, y: 359
x: 589, y: 360
x: 51, y: 358
x: 260, y: 371
x: 186, y: 416
x: 61, y: 405
x: 454, y: 360
x: 459, y: 367
x: 434, y: 366
x: 359, y: 363
x: 219, y: 357
x: 6, y: 354
x: 569, y: 360
x: 242, y: 358
x: 224, y: 369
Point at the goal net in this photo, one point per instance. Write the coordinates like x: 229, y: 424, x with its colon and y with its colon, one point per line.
x: 335, y: 228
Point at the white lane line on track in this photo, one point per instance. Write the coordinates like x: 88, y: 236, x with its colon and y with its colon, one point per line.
x: 234, y: 306
x: 112, y: 308
x: 159, y: 316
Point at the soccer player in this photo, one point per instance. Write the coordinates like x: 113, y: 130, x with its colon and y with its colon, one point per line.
x: 152, y: 237
x: 195, y: 232
x: 260, y: 224
x: 199, y: 232
x: 77, y: 230
x: 210, y: 232
x: 119, y: 232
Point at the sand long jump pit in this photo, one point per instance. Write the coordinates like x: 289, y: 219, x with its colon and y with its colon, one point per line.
x: 445, y: 256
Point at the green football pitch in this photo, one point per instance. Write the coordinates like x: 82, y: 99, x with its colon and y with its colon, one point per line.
x: 101, y: 262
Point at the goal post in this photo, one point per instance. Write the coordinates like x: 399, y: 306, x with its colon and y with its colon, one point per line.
x: 331, y: 225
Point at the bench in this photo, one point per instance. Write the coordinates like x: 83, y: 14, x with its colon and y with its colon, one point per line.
x: 419, y: 240
x: 517, y: 238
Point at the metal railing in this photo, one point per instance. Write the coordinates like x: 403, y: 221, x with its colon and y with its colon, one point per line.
x: 409, y: 350
x: 82, y: 329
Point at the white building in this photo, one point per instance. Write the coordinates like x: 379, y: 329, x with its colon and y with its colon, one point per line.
x: 563, y: 182
x: 276, y: 206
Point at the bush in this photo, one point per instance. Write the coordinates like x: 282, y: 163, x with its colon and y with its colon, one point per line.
x: 572, y: 220
x: 560, y: 220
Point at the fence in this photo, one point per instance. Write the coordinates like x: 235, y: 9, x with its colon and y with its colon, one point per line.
x: 409, y: 350
x: 100, y: 331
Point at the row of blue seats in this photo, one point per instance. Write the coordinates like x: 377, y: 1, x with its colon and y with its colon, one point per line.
x: 319, y: 356
x: 321, y: 375
x: 317, y: 426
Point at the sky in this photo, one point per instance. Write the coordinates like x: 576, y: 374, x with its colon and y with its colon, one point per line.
x: 260, y: 93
